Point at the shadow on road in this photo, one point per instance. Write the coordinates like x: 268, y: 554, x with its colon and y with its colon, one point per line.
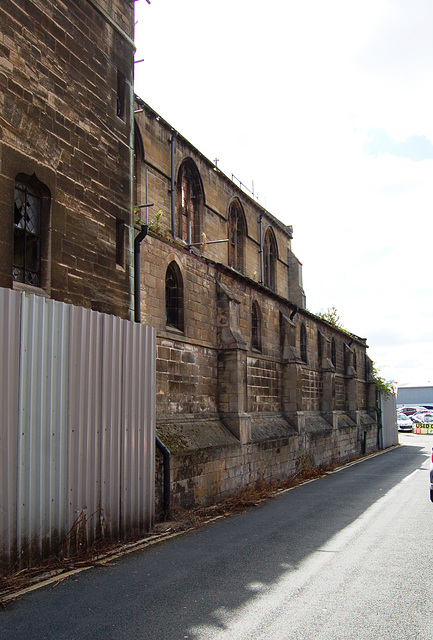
x: 203, y: 577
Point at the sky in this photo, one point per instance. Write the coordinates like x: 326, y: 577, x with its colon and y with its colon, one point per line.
x: 325, y: 111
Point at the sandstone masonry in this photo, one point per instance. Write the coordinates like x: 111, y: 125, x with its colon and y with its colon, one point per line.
x: 248, y: 381
x: 65, y: 142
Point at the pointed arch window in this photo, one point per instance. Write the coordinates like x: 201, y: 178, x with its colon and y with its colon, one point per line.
x: 303, y: 343
x: 256, y: 327
x: 31, y: 209
x: 174, y: 299
x: 190, y: 201
x: 237, y: 234
x: 270, y: 259
x: 138, y: 165
x: 333, y: 352
x: 319, y: 348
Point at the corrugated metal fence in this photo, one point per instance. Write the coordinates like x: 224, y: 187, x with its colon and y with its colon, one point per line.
x: 77, y: 427
x: 389, y: 432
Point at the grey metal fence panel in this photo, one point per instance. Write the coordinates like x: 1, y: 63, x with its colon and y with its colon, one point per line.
x: 10, y: 305
x: 84, y: 423
x: 111, y: 433
x: 77, y: 426
x: 388, y: 407
x: 41, y: 423
x: 137, y: 444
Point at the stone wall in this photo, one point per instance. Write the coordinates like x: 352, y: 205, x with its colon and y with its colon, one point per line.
x: 240, y: 397
x: 64, y: 73
x: 208, y: 474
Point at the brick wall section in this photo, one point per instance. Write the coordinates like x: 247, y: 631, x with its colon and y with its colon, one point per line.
x: 264, y: 394
x: 186, y: 378
x: 59, y: 66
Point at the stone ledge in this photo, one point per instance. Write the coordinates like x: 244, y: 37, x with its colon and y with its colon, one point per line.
x: 190, y: 433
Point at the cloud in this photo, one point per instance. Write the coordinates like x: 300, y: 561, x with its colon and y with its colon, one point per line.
x: 416, y: 148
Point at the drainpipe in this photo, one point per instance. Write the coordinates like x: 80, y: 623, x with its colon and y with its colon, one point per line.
x: 261, y: 247
x: 166, y: 455
x: 137, y: 242
x: 172, y: 186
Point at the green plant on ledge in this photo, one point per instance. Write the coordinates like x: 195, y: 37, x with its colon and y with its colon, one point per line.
x: 331, y: 316
x: 154, y: 225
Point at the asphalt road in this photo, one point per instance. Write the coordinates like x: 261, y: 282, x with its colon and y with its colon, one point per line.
x: 349, y: 556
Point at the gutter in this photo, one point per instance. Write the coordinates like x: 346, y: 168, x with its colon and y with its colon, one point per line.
x: 137, y: 244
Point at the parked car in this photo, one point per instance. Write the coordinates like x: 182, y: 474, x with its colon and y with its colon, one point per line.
x: 431, y: 476
x: 410, y: 410
x: 422, y: 417
x: 404, y: 423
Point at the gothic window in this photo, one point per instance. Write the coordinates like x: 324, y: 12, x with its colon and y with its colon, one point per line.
x: 303, y: 343
x: 256, y: 327
x: 270, y: 259
x: 333, y: 353
x: 237, y: 234
x: 189, y: 203
x: 174, y: 297
x: 319, y: 349
x: 139, y: 174
x: 31, y: 200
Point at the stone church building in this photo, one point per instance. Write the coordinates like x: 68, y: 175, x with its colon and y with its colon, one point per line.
x: 247, y: 379
x: 104, y: 205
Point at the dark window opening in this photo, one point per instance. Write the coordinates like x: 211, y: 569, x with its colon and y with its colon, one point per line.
x: 120, y: 243
x: 173, y: 297
x: 303, y: 343
x: 256, y: 341
x: 237, y: 233
x: 333, y: 353
x: 269, y: 259
x: 27, y: 234
x: 189, y: 203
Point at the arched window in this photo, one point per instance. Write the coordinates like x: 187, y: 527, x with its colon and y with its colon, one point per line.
x: 31, y: 211
x: 319, y: 349
x: 138, y: 166
x: 256, y: 327
x: 303, y: 343
x: 367, y: 366
x: 237, y: 234
x: 190, y: 201
x: 174, y: 297
x: 269, y: 259
x: 333, y: 353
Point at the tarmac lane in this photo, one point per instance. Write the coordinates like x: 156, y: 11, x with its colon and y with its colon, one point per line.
x: 346, y: 556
